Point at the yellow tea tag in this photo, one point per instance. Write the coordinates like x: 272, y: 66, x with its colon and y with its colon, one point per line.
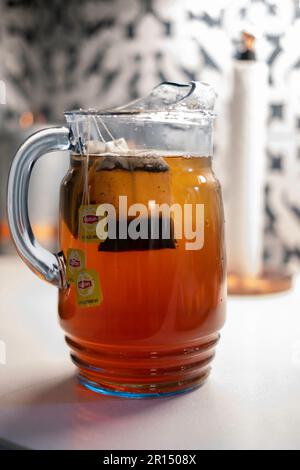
x: 88, y: 289
x: 75, y: 264
x: 88, y: 221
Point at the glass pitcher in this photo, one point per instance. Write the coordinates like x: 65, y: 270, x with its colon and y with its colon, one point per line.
x: 141, y: 271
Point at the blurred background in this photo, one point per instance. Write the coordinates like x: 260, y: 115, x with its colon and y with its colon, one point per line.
x: 56, y: 56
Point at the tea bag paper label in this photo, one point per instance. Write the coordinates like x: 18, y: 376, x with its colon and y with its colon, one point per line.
x: 75, y: 264
x: 88, y: 221
x: 88, y: 289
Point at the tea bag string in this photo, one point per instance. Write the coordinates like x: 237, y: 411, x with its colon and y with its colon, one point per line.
x: 85, y: 156
x: 111, y: 136
x: 85, y: 149
x: 105, y: 128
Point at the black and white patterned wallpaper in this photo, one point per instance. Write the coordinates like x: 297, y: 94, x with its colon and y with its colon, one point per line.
x: 66, y: 54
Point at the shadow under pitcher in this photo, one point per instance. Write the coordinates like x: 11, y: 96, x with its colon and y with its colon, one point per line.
x: 141, y: 271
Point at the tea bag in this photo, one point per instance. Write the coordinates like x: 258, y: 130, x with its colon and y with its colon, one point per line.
x: 143, y: 180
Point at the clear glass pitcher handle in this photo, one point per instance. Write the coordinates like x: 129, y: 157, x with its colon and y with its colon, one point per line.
x: 46, y: 265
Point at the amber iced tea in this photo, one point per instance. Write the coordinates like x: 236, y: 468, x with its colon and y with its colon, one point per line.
x: 148, y: 318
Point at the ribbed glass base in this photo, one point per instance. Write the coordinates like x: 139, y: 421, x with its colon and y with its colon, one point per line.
x: 94, y: 387
x: 142, y: 372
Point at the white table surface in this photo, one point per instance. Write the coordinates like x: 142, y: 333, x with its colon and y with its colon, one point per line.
x: 251, y: 401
